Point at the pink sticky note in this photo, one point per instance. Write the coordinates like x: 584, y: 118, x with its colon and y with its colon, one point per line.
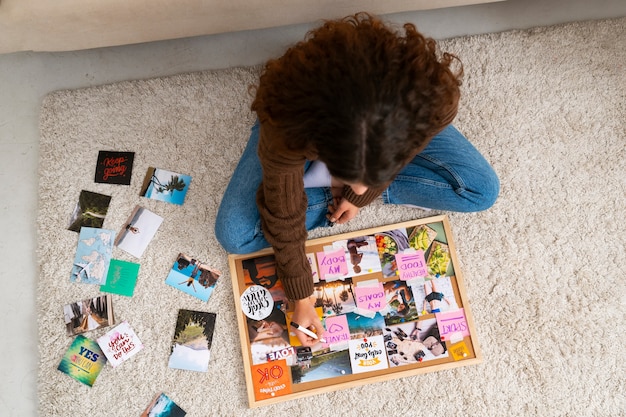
x: 411, y: 265
x: 337, y: 330
x: 370, y: 298
x: 452, y: 322
x: 332, y: 264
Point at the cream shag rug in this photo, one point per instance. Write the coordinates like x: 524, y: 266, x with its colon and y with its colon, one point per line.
x: 544, y: 267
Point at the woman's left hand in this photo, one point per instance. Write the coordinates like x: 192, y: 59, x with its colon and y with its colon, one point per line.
x: 342, y: 211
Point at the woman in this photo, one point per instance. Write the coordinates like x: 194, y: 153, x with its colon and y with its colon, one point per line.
x: 365, y: 110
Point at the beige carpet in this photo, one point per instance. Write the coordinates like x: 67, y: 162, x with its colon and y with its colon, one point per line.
x: 544, y: 267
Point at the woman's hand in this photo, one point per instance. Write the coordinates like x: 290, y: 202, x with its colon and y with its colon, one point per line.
x: 342, y: 211
x: 305, y: 315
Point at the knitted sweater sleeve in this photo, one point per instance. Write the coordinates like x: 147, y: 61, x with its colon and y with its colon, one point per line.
x: 282, y: 204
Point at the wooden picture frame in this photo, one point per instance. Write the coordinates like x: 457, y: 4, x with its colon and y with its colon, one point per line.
x: 285, y: 373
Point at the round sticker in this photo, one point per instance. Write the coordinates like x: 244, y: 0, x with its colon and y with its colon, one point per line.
x: 257, y: 302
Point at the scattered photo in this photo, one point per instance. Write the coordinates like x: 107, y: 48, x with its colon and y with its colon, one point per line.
x: 89, y: 314
x: 114, y: 167
x: 83, y: 360
x: 138, y: 231
x: 93, y: 256
x: 121, y: 278
x: 163, y: 406
x: 90, y: 210
x: 191, y: 344
x: 193, y: 277
x: 167, y: 186
x: 120, y: 343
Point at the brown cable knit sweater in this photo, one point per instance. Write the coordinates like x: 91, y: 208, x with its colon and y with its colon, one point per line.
x: 282, y: 203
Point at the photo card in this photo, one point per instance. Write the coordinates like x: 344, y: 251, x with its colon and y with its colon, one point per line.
x: 83, y: 360
x: 163, y: 406
x: 138, y: 231
x: 114, y: 167
x: 90, y: 210
x: 120, y: 344
x: 89, y: 314
x: 193, y: 277
x: 191, y: 344
x: 93, y: 256
x: 122, y: 278
x: 160, y: 184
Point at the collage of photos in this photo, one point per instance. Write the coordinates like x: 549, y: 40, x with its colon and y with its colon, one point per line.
x: 94, y: 264
x: 381, y: 299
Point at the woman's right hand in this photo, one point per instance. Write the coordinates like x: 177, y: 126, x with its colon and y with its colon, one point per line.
x: 305, y: 315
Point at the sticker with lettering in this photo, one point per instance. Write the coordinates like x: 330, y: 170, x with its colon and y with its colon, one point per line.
x: 332, y: 264
x: 411, y: 264
x: 368, y: 354
x: 459, y: 351
x: 452, y: 322
x: 271, y: 379
x: 257, y: 302
x: 283, y: 353
x: 370, y: 297
x: 337, y: 332
x: 114, y: 167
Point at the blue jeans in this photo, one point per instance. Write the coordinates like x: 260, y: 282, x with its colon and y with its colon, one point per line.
x: 448, y: 175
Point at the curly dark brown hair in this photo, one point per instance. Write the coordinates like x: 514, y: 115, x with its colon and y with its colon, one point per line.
x: 364, y: 96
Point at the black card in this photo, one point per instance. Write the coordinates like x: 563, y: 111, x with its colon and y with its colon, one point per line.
x: 114, y: 167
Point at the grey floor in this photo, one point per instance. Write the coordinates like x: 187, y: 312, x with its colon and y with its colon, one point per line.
x: 25, y: 78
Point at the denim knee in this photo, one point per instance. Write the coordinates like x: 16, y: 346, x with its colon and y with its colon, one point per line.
x: 486, y: 191
x: 237, y: 239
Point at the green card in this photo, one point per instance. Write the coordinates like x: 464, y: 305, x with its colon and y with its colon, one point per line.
x: 121, y: 278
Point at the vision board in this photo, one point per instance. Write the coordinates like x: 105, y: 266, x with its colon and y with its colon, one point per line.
x: 393, y: 305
